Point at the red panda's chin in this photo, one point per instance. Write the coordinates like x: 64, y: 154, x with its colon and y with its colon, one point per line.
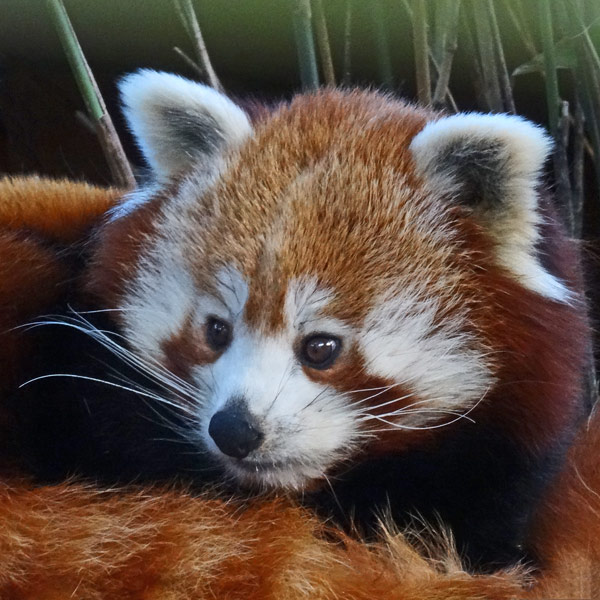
x: 291, y: 475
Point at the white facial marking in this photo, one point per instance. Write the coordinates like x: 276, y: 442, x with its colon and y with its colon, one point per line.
x: 232, y: 289
x: 163, y: 292
x: 229, y: 301
x: 303, y: 306
x: 157, y: 304
x: 442, y: 364
x: 304, y: 424
x: 307, y: 426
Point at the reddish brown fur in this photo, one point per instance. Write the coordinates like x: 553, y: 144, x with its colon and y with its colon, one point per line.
x: 119, y: 251
x: 71, y: 541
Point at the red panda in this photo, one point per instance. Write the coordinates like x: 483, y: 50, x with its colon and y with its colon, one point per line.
x: 354, y: 299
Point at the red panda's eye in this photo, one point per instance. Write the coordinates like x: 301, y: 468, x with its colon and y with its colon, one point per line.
x: 218, y: 333
x: 320, y: 351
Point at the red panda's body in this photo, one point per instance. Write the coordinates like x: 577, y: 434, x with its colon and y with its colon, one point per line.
x: 83, y: 542
x: 355, y: 298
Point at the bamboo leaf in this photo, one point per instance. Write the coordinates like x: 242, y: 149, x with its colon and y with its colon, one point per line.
x: 421, y: 46
x: 565, y: 57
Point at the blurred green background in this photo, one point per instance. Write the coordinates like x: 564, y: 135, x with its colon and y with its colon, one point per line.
x: 254, y: 52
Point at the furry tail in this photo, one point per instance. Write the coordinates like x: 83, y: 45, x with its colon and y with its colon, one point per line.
x: 74, y: 542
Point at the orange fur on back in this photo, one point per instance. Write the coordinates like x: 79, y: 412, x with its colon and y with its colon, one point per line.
x: 58, y: 210
x: 73, y: 541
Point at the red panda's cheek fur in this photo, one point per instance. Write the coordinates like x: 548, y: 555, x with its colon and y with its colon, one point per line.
x: 373, y: 397
x: 120, y: 244
x: 535, y: 347
x: 539, y: 364
x: 534, y: 343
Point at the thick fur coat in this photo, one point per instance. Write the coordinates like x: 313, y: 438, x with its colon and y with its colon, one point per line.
x: 352, y: 297
x: 78, y: 541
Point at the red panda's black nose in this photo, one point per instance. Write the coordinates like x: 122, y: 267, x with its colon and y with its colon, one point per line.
x: 233, y: 432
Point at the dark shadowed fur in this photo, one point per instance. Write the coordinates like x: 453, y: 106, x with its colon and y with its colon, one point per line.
x: 75, y: 427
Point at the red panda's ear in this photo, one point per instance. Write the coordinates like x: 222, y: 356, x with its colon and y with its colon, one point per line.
x: 177, y: 122
x: 491, y: 164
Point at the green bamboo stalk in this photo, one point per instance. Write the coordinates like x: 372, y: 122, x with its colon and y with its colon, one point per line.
x: 588, y: 79
x: 561, y: 169
x: 190, y: 62
x: 409, y: 10
x: 589, y: 44
x: 518, y: 22
x: 438, y: 37
x: 487, y: 56
x: 104, y: 127
x: 434, y: 63
x: 442, y: 14
x: 552, y: 94
x: 503, y: 76
x: 421, y: 49
x: 448, y: 20
x: 323, y: 42
x: 187, y: 14
x: 592, y: 115
x: 468, y: 39
x: 307, y: 60
x: 184, y: 21
x: 347, y: 77
x: 577, y: 170
x: 79, y: 66
x: 384, y: 63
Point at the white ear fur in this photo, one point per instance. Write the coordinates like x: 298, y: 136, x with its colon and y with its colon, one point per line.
x: 526, y: 145
x: 177, y: 122
x: 492, y: 164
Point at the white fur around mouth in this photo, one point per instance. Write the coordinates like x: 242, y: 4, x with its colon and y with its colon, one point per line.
x: 280, y: 474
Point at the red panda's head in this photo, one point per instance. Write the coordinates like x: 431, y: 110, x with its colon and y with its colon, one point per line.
x: 335, y: 279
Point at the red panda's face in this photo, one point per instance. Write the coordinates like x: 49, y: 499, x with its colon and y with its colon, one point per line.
x: 316, y: 282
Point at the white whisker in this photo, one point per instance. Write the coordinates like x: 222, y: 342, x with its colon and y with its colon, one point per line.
x: 152, y: 370
x: 396, y: 426
x: 97, y: 380
x: 378, y: 406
